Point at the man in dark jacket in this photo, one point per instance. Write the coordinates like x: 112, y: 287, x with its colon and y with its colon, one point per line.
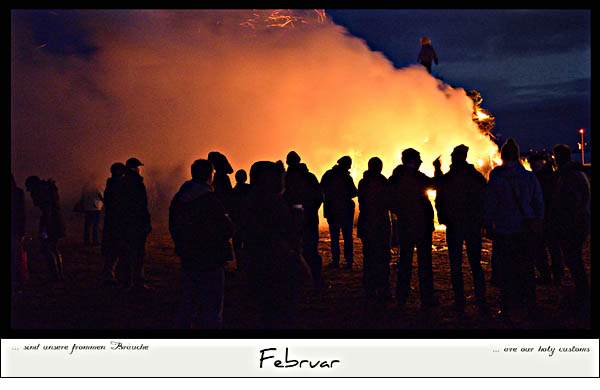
x: 544, y: 171
x: 459, y: 204
x: 427, y: 54
x: 272, y: 242
x: 201, y: 231
x: 409, y: 201
x: 52, y: 225
x: 302, y: 188
x: 110, y: 239
x: 339, y: 189
x: 570, y: 218
x: 374, y: 230
x: 133, y: 221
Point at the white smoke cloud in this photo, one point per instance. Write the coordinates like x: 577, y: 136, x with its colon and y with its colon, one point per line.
x: 168, y: 87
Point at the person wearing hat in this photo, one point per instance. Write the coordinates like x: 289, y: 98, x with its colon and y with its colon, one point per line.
x: 303, y: 192
x: 459, y: 204
x: 409, y: 201
x: 339, y: 190
x: 133, y: 221
x: 513, y: 198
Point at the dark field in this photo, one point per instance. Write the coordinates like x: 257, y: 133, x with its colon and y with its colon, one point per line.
x: 84, y: 302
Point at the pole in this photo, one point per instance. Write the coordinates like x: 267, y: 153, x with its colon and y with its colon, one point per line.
x: 582, y: 155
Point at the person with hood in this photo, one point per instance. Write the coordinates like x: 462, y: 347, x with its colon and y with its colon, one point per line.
x: 512, y: 203
x: 221, y: 182
x: 427, y: 54
x: 570, y: 219
x: 339, y: 190
x: 200, y: 230
x: 459, y: 204
x: 52, y: 225
x: 272, y: 242
x: 133, y: 222
x: 409, y: 201
x: 302, y: 188
x: 110, y: 239
x: 374, y: 230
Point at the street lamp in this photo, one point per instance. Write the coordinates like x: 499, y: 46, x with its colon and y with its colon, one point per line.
x: 581, y: 131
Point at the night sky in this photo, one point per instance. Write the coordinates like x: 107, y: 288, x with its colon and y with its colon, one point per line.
x: 532, y: 67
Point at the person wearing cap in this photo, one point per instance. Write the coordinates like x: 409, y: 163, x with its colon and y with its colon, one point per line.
x: 339, y: 190
x: 303, y: 191
x: 110, y: 240
x: 44, y: 194
x: 133, y: 222
x: 513, y: 198
x: 459, y: 204
x: 409, y: 201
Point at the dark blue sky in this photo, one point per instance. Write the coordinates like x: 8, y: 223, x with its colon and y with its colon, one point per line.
x: 532, y: 67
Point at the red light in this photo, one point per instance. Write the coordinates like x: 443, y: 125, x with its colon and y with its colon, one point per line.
x: 581, y: 131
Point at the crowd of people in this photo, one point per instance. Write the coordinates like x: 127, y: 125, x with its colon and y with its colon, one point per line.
x: 270, y: 226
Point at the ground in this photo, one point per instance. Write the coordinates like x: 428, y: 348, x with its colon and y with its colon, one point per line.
x: 84, y: 302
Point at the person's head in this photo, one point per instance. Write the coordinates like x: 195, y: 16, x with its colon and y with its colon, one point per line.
x: 562, y: 154
x: 202, y: 171
x: 459, y: 153
x: 345, y: 162
x: 425, y: 41
x: 510, y: 151
x: 375, y: 165
x: 411, y: 158
x: 267, y: 176
x: 292, y: 159
x: 118, y: 169
x: 536, y: 161
x: 31, y: 183
x: 241, y: 176
x: 133, y: 164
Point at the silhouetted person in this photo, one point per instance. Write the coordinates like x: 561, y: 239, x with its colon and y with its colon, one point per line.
x: 512, y: 197
x: 374, y: 230
x: 408, y: 190
x: 302, y: 188
x: 52, y: 225
x: 271, y: 239
x: 18, y: 257
x: 571, y: 218
x: 221, y: 181
x: 339, y: 189
x: 111, y: 240
x: 200, y: 230
x: 543, y: 169
x: 427, y: 55
x: 459, y: 204
x: 91, y: 203
x: 238, y: 200
x: 133, y: 221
